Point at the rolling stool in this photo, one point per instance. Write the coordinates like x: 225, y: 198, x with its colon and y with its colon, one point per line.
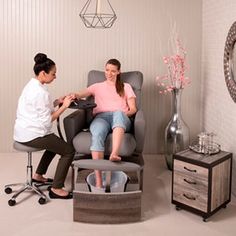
x: 28, y: 185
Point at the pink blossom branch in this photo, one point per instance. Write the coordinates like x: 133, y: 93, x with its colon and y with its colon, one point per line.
x: 176, y: 68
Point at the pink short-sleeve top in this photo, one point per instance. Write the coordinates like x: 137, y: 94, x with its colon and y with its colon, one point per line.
x: 107, y: 99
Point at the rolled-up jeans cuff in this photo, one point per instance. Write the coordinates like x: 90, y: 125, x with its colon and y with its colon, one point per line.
x: 118, y: 126
x: 92, y: 149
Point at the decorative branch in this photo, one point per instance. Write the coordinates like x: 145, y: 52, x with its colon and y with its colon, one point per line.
x: 176, y: 68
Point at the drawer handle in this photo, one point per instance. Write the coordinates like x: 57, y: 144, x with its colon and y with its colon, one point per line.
x: 189, y: 181
x: 189, y: 197
x: 189, y: 169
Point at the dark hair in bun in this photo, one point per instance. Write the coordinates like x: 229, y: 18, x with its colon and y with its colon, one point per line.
x: 42, y: 63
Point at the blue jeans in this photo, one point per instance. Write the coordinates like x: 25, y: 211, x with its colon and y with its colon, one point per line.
x: 103, y: 123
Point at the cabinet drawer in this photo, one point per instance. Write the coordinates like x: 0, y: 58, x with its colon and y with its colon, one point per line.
x: 191, y: 170
x: 186, y: 182
x: 191, y: 198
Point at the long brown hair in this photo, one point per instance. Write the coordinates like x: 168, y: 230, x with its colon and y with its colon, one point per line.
x: 119, y: 84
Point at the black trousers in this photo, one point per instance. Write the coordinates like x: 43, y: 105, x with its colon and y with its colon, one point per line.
x: 54, y: 145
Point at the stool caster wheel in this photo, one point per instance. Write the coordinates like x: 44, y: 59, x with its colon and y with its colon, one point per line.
x: 177, y: 208
x: 204, y: 219
x: 8, y: 190
x: 11, y: 202
x: 42, y: 201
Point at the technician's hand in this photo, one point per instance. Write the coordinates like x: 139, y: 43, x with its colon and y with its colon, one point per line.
x: 67, y: 100
x: 58, y: 101
x: 61, y: 99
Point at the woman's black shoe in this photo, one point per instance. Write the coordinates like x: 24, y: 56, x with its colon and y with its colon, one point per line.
x: 54, y: 195
x: 48, y: 181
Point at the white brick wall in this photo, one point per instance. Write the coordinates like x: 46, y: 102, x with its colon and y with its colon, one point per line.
x: 218, y: 109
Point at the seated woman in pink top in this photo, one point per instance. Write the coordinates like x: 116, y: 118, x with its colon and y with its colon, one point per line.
x: 116, y: 102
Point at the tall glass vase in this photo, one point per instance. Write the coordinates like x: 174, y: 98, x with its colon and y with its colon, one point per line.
x: 177, y: 131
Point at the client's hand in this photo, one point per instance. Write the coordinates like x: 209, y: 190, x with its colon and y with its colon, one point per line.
x: 73, y: 95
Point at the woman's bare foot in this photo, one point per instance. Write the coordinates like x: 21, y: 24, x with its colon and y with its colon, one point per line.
x: 98, y: 178
x: 98, y: 185
x: 114, y: 158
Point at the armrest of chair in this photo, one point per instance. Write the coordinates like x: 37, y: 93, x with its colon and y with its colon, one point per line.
x: 139, y: 130
x: 73, y: 124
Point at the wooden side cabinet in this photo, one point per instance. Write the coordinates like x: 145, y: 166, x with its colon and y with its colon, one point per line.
x: 201, y: 183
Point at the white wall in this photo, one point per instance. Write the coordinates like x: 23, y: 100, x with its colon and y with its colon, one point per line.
x: 139, y: 39
x: 218, y: 109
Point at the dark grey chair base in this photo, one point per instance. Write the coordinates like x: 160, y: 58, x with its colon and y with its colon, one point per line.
x: 28, y: 185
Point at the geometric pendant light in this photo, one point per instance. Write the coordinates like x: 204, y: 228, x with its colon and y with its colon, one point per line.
x: 98, y: 14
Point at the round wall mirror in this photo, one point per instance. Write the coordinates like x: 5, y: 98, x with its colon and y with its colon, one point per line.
x: 230, y: 61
